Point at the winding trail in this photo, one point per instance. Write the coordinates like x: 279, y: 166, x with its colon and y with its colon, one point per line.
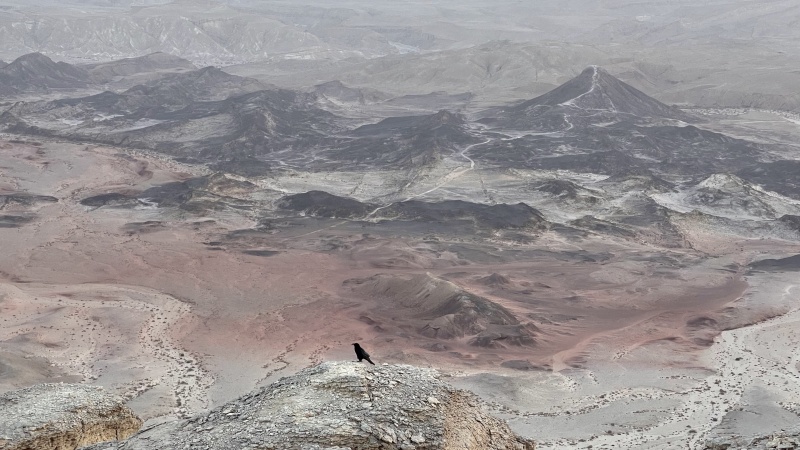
x: 445, y: 180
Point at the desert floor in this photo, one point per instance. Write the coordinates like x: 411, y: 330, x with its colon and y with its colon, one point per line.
x: 636, y: 346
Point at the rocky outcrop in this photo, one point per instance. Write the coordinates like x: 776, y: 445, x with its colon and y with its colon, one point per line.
x: 338, y: 405
x: 62, y: 417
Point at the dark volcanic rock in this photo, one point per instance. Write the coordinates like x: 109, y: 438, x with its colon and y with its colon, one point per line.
x: 14, y: 221
x: 202, y: 85
x: 793, y: 222
x: 594, y: 91
x: 204, y: 116
x: 25, y: 199
x: 35, y: 72
x: 174, y: 194
x: 778, y: 176
x: 158, y: 61
x: 263, y: 253
x: 323, y: 204
x: 111, y: 199
x: 653, y: 221
x: 410, y: 141
x: 567, y: 190
x: 791, y: 263
x: 597, y: 124
x: 500, y: 216
x: 211, y: 192
x: 560, y: 188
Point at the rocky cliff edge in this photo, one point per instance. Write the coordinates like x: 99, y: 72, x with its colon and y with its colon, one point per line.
x: 62, y: 417
x: 340, y: 405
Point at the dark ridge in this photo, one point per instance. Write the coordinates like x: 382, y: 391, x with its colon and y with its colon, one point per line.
x: 188, y: 82
x: 193, y: 195
x: 174, y: 194
x: 395, y: 124
x: 777, y: 176
x: 107, y: 71
x: 11, y: 221
x: 789, y: 264
x: 405, y: 142
x: 792, y: 222
x: 560, y: 187
x: 25, y: 199
x: 323, y: 204
x: 114, y: 199
x: 264, y: 253
x: 501, y: 216
x: 36, y: 71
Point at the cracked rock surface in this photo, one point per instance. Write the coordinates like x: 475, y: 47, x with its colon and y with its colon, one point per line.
x: 62, y: 416
x: 340, y: 405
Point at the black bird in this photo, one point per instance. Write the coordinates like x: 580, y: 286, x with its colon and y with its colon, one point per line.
x: 361, y: 354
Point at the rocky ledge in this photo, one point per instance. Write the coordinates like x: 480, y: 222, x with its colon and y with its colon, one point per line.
x: 62, y: 417
x: 340, y: 405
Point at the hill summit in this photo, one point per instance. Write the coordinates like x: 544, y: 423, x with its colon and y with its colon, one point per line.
x: 595, y: 89
x: 341, y: 405
x: 36, y: 71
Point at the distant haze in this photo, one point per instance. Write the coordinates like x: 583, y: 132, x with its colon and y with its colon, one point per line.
x: 730, y: 53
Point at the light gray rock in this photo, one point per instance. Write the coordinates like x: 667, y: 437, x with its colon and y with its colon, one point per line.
x: 62, y: 416
x: 340, y: 405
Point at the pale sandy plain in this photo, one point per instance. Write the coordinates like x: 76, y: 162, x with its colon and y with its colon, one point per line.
x: 636, y: 346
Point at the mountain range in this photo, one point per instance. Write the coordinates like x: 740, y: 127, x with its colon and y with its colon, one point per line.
x: 592, y: 124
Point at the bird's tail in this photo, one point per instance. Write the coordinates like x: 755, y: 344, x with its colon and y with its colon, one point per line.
x: 370, y: 361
